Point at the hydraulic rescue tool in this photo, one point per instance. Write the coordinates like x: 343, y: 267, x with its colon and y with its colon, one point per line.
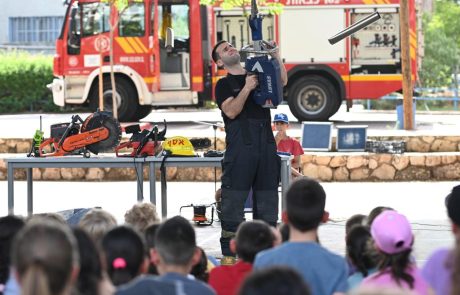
x: 269, y: 92
x: 143, y: 143
x: 100, y: 132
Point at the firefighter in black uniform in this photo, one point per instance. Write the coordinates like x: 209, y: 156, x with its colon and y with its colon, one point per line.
x: 250, y: 159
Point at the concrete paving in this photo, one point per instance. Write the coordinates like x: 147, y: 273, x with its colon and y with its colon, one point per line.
x: 421, y: 202
x: 186, y: 122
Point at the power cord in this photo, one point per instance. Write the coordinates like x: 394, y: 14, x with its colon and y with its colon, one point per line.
x: 139, y: 181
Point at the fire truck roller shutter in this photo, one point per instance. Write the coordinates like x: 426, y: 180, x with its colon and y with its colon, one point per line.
x: 313, y: 98
x: 127, y: 98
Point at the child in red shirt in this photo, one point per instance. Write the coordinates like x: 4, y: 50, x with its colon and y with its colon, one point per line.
x: 287, y: 144
x: 251, y: 238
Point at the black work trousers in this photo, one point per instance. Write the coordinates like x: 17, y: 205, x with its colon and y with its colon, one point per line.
x: 250, y: 161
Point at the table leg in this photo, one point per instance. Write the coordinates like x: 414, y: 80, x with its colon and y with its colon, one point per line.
x: 30, y: 196
x: 140, y: 181
x: 285, y: 180
x: 10, y: 189
x: 152, y: 180
x: 164, y: 205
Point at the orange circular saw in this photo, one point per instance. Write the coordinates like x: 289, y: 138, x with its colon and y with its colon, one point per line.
x: 100, y: 132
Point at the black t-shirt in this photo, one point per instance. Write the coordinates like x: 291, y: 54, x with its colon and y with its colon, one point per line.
x: 226, y: 89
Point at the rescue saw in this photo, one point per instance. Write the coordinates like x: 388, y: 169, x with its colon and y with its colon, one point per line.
x: 100, y: 132
x: 142, y: 143
x: 269, y: 92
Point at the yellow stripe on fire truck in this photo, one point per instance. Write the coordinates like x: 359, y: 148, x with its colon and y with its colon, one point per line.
x: 372, y: 77
x: 197, y: 79
x: 124, y: 45
x: 379, y: 78
x: 149, y: 80
x: 133, y: 43
x: 141, y: 45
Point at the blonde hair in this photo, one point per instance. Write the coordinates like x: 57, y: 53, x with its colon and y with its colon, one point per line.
x: 97, y: 223
x: 44, y: 256
x: 142, y: 215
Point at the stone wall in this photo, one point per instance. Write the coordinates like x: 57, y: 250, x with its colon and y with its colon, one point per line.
x: 382, y: 167
x: 110, y: 174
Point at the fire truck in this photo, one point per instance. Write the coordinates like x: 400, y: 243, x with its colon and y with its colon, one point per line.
x: 366, y: 65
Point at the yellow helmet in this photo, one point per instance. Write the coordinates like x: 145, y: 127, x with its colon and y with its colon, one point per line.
x: 179, y: 146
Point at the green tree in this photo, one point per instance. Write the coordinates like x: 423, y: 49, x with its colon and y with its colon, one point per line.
x: 442, y: 44
x: 272, y: 7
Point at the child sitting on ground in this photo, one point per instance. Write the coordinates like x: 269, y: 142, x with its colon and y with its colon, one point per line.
x: 324, y: 271
x: 393, y: 238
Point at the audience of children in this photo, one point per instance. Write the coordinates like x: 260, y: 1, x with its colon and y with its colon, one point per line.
x: 47, y: 257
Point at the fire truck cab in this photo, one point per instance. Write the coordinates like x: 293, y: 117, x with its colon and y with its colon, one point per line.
x: 147, y: 73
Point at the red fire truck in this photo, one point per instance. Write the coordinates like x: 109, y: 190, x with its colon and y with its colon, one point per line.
x: 366, y: 65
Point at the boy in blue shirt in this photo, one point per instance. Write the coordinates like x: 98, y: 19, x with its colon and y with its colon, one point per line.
x: 325, y: 272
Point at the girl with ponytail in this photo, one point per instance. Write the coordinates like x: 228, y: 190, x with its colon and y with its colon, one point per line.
x: 361, y: 254
x: 45, y: 258
x: 392, y: 234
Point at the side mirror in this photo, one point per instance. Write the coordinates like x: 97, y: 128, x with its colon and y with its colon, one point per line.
x: 169, y: 42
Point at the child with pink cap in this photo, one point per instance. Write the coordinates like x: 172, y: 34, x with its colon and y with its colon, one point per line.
x: 392, y: 234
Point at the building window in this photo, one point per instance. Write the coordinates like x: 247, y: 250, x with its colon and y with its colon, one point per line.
x: 24, y: 30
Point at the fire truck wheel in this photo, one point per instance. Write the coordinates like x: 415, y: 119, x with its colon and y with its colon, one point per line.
x: 126, y: 98
x: 313, y: 98
x: 142, y: 112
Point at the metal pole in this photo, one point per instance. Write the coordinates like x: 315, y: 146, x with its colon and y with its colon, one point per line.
x: 10, y: 189
x: 152, y: 180
x: 140, y: 179
x: 30, y: 192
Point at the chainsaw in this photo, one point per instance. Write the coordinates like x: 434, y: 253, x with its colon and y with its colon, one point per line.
x: 100, y: 132
x: 269, y: 92
x: 142, y: 143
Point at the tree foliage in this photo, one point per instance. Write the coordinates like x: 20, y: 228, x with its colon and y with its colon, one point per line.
x: 442, y: 44
x: 271, y: 7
